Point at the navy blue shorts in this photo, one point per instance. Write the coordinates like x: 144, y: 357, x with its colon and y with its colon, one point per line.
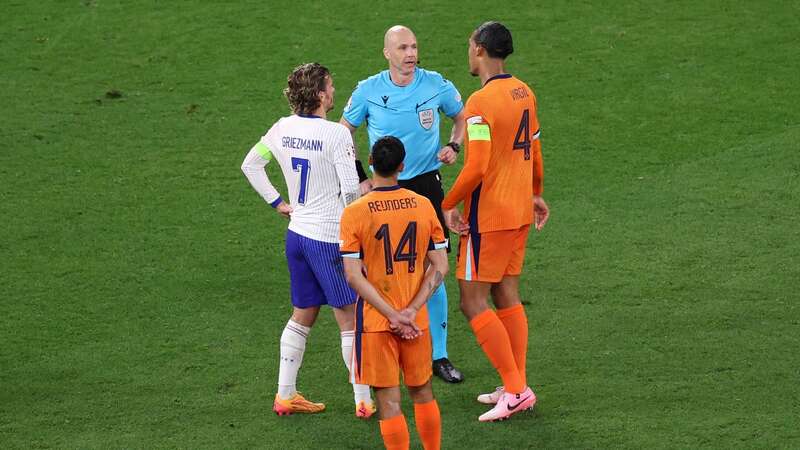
x: 316, y: 272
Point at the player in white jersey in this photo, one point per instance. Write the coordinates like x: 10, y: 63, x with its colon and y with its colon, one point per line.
x: 317, y: 158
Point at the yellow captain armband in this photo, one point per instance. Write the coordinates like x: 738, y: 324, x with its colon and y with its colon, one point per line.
x: 478, y: 132
x: 264, y: 151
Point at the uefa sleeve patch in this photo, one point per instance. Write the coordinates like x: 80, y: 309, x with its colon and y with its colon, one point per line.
x: 478, y: 132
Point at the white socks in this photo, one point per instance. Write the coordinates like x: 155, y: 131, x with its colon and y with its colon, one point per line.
x: 360, y: 391
x: 293, y: 345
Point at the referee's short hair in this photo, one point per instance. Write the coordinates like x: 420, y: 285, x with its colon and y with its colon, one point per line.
x: 495, y: 38
x: 387, y: 155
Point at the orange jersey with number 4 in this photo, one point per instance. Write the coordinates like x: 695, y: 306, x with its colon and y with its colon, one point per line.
x: 503, y: 165
x: 391, y: 229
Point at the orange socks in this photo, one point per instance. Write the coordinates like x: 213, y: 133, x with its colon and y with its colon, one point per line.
x: 395, y: 433
x: 516, y: 323
x: 493, y: 339
x: 429, y: 424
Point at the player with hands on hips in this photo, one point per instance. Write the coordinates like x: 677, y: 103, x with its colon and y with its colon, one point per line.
x: 317, y: 159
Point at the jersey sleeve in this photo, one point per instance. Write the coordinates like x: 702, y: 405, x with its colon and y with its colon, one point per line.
x: 478, y: 155
x: 344, y: 155
x: 356, y: 109
x: 451, y: 99
x: 437, y: 240
x: 538, y: 167
x: 349, y: 236
x: 536, y: 152
x: 253, y: 168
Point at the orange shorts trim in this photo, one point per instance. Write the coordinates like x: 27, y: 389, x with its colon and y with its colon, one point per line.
x: 490, y: 256
x: 379, y: 358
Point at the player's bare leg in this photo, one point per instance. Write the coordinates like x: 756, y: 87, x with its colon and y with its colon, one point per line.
x: 474, y: 297
x: 427, y: 416
x: 293, y: 345
x: 505, y: 294
x: 394, y: 428
x: 305, y: 316
x: 421, y: 394
x: 345, y: 317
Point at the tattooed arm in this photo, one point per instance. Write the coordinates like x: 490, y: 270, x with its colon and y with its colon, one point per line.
x: 434, y: 276
x: 400, y: 324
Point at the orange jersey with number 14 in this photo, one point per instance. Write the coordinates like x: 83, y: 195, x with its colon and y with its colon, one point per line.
x: 391, y: 229
x: 503, y: 165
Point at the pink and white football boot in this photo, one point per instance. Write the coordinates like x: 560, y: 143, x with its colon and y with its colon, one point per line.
x: 510, y: 404
x: 492, y: 397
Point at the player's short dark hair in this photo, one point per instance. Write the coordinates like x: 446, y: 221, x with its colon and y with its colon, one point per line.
x: 495, y: 38
x: 305, y: 83
x: 387, y: 155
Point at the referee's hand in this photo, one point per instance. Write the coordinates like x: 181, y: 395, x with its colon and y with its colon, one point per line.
x: 365, y: 186
x: 447, y: 155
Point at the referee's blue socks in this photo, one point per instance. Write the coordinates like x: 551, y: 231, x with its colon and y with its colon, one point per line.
x: 437, y: 313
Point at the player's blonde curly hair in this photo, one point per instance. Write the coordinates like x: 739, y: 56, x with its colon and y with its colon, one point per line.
x: 305, y: 83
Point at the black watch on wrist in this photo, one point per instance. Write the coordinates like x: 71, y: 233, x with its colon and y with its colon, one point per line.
x: 362, y: 174
x: 455, y: 146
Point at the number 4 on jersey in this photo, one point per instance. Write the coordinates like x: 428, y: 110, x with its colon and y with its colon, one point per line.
x: 524, y: 132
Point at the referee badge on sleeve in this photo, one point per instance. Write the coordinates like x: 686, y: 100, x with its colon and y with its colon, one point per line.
x: 426, y: 118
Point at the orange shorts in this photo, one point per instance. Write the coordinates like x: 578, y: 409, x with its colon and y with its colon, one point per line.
x: 379, y: 357
x: 490, y: 256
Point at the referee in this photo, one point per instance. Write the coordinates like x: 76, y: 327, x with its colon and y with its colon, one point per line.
x: 404, y: 101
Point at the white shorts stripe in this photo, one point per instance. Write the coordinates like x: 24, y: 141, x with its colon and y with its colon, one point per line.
x: 468, y: 268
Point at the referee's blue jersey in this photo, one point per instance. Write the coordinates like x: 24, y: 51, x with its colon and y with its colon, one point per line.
x: 409, y: 113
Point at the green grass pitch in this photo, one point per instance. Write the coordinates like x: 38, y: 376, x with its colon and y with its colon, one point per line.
x: 142, y: 282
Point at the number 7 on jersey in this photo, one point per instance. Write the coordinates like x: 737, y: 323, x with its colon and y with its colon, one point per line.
x: 301, y: 165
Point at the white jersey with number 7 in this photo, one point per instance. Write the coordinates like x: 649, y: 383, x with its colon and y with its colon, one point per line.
x: 317, y: 158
